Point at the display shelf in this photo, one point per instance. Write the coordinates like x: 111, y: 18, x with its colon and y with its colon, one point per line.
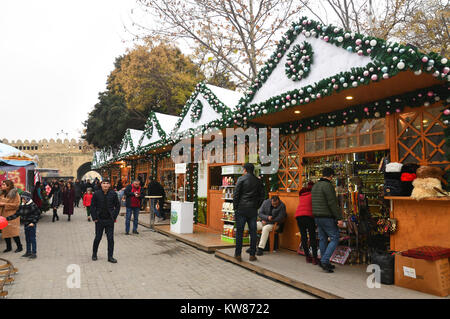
x: 228, y: 211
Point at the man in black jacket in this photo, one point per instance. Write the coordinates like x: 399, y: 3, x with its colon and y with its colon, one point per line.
x: 105, y: 208
x: 247, y: 198
x: 156, y: 189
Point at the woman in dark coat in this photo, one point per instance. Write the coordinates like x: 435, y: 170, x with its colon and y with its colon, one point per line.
x: 78, y: 194
x: 57, y: 200
x: 68, y: 200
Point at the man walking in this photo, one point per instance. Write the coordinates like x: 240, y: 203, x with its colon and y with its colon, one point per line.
x: 133, y: 204
x: 105, y: 208
x: 247, y: 198
x: 327, y: 216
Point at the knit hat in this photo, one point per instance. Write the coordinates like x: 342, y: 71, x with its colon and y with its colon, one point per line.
x: 26, y: 195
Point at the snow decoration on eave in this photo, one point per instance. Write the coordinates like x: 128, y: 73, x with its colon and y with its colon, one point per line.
x: 130, y: 142
x: 342, y: 60
x: 157, y: 128
x: 209, y: 110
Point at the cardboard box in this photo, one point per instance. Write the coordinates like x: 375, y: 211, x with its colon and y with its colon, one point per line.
x: 432, y: 277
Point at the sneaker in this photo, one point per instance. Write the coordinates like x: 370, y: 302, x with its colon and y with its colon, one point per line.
x: 26, y: 254
x: 33, y: 256
x: 248, y: 251
x: 259, y: 252
x: 253, y: 258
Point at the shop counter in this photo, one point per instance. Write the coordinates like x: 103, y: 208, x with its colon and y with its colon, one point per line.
x: 420, y: 223
x: 182, y: 217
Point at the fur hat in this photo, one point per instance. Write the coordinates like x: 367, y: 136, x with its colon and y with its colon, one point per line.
x: 430, y: 172
x: 426, y: 187
x: 394, y: 167
x: 410, y: 168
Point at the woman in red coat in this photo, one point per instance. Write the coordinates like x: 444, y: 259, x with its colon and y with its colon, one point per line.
x: 306, y: 224
x: 68, y: 200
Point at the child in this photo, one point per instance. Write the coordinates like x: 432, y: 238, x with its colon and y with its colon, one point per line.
x: 87, y: 198
x: 29, y: 214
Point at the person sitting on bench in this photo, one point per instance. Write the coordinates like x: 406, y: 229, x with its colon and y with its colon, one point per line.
x: 271, y: 211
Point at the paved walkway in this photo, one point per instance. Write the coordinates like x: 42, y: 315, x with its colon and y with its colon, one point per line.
x: 150, y: 265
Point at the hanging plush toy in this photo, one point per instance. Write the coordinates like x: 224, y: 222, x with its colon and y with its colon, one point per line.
x: 428, y: 183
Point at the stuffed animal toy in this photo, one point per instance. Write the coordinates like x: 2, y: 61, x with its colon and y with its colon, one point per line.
x: 392, y: 183
x: 408, y: 176
x: 428, y: 183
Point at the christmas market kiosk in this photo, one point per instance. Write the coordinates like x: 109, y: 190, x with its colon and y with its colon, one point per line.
x: 357, y: 104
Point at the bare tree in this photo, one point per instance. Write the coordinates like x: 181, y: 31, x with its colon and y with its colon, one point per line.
x: 237, y: 33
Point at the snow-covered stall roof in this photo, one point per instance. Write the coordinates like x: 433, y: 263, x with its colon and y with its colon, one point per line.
x: 12, y: 156
x: 313, y: 61
x: 157, y: 129
x: 129, y: 143
x: 208, y: 107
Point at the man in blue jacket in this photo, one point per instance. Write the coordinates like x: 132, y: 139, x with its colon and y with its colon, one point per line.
x: 105, y: 208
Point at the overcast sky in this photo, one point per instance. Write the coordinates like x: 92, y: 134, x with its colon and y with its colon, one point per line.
x: 55, y: 57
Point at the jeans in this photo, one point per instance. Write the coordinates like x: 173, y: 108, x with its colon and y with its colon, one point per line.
x: 120, y: 195
x: 307, y: 226
x: 241, y: 218
x: 108, y: 227
x: 135, y: 212
x: 30, y: 237
x: 153, y: 204
x: 327, y: 229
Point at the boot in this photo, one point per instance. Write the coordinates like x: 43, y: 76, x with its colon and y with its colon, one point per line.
x: 309, y: 259
x: 19, y: 249
x: 8, y: 245
x: 315, y: 261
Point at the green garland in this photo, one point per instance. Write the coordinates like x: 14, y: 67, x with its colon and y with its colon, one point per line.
x: 299, y: 61
x: 151, y: 123
x: 192, y: 192
x: 389, y: 59
x: 379, y: 109
x: 214, y: 102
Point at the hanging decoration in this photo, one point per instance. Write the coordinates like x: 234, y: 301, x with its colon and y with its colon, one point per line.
x: 299, y: 61
x: 196, y: 111
x: 446, y: 121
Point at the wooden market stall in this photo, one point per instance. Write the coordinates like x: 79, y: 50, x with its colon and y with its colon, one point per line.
x: 349, y: 101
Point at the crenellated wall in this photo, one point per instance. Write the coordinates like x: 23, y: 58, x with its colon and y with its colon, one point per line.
x: 65, y: 155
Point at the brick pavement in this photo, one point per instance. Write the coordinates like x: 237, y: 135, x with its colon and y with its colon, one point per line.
x: 150, y: 265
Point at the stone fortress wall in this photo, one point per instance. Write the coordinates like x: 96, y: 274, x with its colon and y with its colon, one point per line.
x: 65, y: 155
